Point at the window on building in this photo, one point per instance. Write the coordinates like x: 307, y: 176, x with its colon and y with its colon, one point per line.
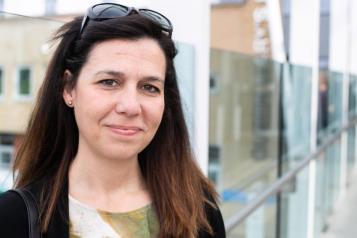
x: 6, y: 150
x: 7, y: 139
x: 5, y: 158
x: 24, y: 82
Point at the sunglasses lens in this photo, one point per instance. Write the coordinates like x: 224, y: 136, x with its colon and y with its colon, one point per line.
x: 104, y: 11
x: 109, y: 10
x: 157, y: 17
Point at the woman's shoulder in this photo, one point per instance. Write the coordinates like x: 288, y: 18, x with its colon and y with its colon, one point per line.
x: 13, y: 215
x: 213, y: 214
x: 215, y: 219
x: 10, y: 202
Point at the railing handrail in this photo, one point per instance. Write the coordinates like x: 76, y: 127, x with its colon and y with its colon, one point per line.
x: 279, y: 184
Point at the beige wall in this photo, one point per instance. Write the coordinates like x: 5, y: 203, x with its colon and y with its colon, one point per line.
x: 233, y: 28
x: 22, y: 42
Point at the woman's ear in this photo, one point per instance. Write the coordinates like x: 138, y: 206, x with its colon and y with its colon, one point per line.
x: 68, y: 90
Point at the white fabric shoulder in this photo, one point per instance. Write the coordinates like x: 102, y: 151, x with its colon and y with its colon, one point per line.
x: 87, y: 222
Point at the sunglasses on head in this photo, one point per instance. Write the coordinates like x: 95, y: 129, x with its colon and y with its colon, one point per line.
x: 105, y: 11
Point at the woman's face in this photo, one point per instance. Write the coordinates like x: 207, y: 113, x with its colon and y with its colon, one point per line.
x: 118, y: 99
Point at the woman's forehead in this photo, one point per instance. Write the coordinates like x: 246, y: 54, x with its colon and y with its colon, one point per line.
x: 144, y: 55
x: 141, y: 47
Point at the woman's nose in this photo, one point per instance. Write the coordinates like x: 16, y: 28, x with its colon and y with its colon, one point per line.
x: 128, y: 103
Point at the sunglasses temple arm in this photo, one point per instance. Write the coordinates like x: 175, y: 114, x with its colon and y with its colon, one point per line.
x: 84, y: 22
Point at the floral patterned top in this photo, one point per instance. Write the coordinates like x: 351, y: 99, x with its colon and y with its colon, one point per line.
x: 88, y: 222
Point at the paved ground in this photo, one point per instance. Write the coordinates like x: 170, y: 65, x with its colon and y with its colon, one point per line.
x: 343, y: 224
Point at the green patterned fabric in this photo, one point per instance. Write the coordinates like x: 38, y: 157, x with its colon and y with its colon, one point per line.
x: 87, y: 222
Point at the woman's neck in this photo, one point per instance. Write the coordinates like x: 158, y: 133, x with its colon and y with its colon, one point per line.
x: 103, y: 182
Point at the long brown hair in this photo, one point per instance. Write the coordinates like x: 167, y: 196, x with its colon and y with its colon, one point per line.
x: 179, y: 190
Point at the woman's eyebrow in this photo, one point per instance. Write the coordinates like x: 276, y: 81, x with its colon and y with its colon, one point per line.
x: 154, y: 79
x: 119, y: 74
x: 113, y: 73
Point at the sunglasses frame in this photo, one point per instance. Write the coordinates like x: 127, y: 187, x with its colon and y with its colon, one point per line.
x: 148, y: 13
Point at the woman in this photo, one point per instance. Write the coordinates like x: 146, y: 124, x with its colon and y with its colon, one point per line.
x: 107, y: 152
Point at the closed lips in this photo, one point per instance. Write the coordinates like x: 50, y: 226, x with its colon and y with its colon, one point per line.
x: 125, y: 130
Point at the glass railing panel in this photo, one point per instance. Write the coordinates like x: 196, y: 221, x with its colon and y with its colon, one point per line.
x: 351, y: 151
x: 296, y: 114
x: 323, y: 106
x: 352, y: 94
x: 328, y: 164
x: 259, y: 223
x: 333, y: 157
x: 327, y: 185
x: 238, y: 89
x: 335, y: 87
x: 296, y: 123
x: 243, y: 129
x: 321, y: 194
x: 329, y: 104
x: 352, y: 114
x: 294, y: 200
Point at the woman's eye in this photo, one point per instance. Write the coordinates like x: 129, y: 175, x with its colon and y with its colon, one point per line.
x: 108, y: 82
x: 151, y: 89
